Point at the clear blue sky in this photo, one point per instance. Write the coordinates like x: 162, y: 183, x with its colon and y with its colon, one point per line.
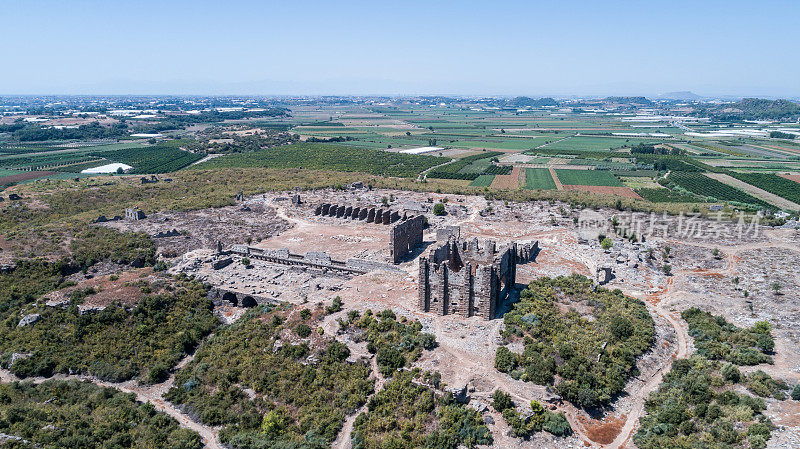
x: 400, y: 47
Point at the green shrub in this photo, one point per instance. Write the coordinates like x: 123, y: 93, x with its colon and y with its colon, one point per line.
x: 302, y: 330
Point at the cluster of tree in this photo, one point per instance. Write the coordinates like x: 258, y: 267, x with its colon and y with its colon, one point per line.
x: 530, y: 421
x: 330, y: 139
x: 408, y: 414
x: 59, y: 414
x: 301, y: 388
x: 115, y: 343
x: 781, y: 135
x: 699, y: 404
x: 226, y: 144
x: 753, y: 109
x: 94, y: 130
x: 593, y: 353
x: 459, y: 169
x: 650, y: 148
x: 521, y: 102
x: 396, y: 344
x: 717, y: 339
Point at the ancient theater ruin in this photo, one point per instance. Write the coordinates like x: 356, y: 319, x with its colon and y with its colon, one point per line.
x: 469, y: 279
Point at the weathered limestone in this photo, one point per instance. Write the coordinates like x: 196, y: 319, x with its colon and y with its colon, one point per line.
x: 464, y: 278
x: 134, y: 214
x: 405, y: 236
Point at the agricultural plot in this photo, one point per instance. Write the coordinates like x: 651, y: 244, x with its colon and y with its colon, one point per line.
x: 588, y: 178
x: 702, y: 185
x: 157, y: 159
x: 595, y: 143
x: 662, y: 195
x: 774, y: 184
x: 329, y: 157
x: 465, y: 168
x: 640, y: 182
x: 482, y: 181
x: 538, y: 178
x: 497, y: 144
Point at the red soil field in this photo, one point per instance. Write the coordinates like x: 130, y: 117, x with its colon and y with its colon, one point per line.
x: 24, y: 176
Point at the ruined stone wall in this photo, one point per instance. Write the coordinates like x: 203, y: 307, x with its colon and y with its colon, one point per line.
x: 404, y: 237
x: 134, y: 214
x: 467, y: 278
x: 368, y: 214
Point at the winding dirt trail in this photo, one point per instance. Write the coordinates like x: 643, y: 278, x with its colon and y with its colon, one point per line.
x: 343, y: 440
x: 731, y: 253
x: 153, y: 394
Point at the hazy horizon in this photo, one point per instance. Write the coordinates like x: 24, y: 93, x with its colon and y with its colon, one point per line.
x: 573, y: 48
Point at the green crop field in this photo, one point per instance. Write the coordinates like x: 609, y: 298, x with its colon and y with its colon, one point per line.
x: 156, y: 159
x: 539, y: 178
x: 469, y: 167
x: 774, y: 184
x: 329, y: 157
x: 498, y: 144
x: 702, y: 185
x: 588, y: 178
x: 595, y: 143
x: 482, y: 181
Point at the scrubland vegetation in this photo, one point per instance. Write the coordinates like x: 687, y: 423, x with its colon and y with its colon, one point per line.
x: 268, y: 387
x: 407, y: 413
x: 589, y: 338
x: 396, y: 344
x: 701, y: 402
x: 115, y: 343
x: 72, y: 414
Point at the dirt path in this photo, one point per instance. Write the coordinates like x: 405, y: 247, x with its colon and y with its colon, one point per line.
x: 632, y: 419
x: 664, y: 301
x: 153, y: 394
x: 559, y: 186
x: 424, y: 174
x: 343, y: 440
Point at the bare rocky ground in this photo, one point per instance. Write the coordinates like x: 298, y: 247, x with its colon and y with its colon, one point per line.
x: 700, y: 276
x: 250, y: 221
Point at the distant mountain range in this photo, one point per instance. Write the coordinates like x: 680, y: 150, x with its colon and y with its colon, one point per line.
x: 683, y: 95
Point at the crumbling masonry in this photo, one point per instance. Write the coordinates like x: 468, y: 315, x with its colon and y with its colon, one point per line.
x: 460, y: 277
x: 370, y: 215
x: 405, y: 236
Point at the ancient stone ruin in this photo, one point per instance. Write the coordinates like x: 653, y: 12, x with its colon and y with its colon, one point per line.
x: 369, y: 214
x: 134, y: 214
x: 404, y: 237
x: 465, y: 278
x: 316, y: 260
x: 296, y: 200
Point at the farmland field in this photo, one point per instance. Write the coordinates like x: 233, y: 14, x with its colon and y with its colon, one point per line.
x: 774, y: 184
x: 329, y: 157
x: 587, y: 178
x: 482, y: 181
x: 662, y: 195
x: 702, y: 185
x: 622, y: 191
x: 539, y: 178
x: 156, y: 159
x: 594, y: 143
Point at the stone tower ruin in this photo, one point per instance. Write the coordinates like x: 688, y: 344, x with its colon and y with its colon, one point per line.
x: 469, y: 279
